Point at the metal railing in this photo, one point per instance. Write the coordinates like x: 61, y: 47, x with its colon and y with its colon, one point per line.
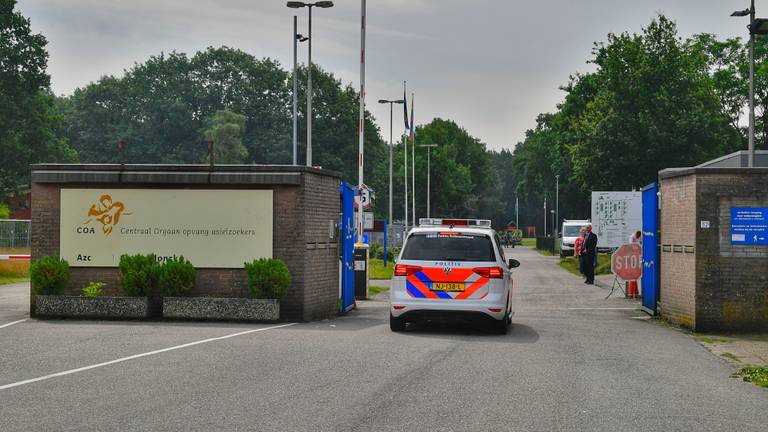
x: 15, y: 233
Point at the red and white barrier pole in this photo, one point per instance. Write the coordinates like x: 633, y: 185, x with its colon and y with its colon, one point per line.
x: 14, y: 257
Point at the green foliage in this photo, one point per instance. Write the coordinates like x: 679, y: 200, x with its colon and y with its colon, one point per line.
x: 138, y: 274
x: 4, y: 211
x: 49, y: 276
x: 754, y: 374
x: 268, y: 278
x: 94, y: 289
x: 571, y: 264
x: 379, y: 271
x: 226, y: 131
x: 27, y: 116
x: 177, y: 277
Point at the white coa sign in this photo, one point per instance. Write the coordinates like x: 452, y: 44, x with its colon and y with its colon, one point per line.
x: 210, y: 228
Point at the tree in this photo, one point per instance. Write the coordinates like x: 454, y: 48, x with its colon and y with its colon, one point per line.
x: 226, y: 132
x: 27, y: 117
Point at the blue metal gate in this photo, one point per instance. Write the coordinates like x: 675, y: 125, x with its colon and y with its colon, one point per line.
x: 650, y: 248
x: 347, y: 239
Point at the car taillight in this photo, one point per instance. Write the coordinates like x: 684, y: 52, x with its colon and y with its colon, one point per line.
x: 489, y: 272
x: 406, y: 270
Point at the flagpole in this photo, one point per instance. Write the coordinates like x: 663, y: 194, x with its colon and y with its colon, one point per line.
x: 405, y: 146
x: 361, y: 126
x: 413, y: 161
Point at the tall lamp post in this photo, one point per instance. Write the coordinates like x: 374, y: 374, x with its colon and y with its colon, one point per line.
x: 296, y: 5
x: 555, y: 228
x: 391, y: 104
x: 296, y: 39
x: 429, y: 190
x: 756, y: 26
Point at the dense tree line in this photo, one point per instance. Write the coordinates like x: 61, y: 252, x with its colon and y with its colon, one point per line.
x: 653, y: 100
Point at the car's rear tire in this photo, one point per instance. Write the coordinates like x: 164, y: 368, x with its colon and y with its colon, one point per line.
x: 396, y: 324
x: 501, y: 326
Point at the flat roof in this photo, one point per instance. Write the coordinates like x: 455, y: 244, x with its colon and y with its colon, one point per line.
x: 734, y: 163
x: 175, y: 174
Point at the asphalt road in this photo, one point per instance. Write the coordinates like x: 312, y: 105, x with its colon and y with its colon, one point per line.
x: 572, y: 361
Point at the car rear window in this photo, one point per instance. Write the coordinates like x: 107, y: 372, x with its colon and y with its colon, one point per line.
x: 445, y: 247
x: 572, y: 230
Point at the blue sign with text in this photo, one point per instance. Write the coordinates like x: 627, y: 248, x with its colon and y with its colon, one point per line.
x: 749, y: 226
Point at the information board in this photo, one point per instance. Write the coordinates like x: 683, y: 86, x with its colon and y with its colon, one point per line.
x: 749, y: 226
x: 210, y: 228
x: 615, y: 216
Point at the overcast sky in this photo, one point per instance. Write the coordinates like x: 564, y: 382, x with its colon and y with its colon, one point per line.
x: 490, y: 65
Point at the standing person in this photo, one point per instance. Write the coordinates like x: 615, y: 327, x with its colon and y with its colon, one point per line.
x: 589, y: 253
x: 577, y: 246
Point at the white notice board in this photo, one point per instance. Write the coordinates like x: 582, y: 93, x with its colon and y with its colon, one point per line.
x: 615, y: 216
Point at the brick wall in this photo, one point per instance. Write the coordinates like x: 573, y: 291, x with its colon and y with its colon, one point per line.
x: 302, y: 213
x: 321, y: 289
x: 732, y: 287
x: 678, y: 268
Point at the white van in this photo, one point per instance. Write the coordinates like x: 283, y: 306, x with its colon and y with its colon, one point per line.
x: 570, y: 232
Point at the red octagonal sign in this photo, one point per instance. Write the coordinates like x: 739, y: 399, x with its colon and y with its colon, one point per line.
x: 627, y: 262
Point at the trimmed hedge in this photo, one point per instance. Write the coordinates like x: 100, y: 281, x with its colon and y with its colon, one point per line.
x: 177, y: 277
x: 268, y: 278
x: 138, y: 274
x: 49, y: 276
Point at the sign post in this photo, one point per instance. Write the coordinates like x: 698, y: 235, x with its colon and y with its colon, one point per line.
x: 627, y: 265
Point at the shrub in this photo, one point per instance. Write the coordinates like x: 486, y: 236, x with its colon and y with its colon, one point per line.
x: 268, y: 278
x: 138, y: 274
x: 49, y: 276
x: 94, y: 289
x: 177, y: 277
x: 376, y: 250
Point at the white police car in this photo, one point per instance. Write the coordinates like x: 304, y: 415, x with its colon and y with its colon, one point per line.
x: 452, y: 267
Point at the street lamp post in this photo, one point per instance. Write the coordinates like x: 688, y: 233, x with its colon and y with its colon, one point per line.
x: 296, y: 39
x: 296, y: 5
x: 391, y: 104
x: 556, y: 229
x: 756, y: 26
x: 429, y: 190
x: 554, y: 233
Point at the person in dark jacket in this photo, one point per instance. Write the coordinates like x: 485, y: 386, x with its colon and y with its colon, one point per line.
x: 589, y: 253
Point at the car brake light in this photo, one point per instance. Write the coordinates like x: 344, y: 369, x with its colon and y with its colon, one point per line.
x: 398, y: 307
x: 455, y: 222
x: 495, y: 310
x: 406, y: 270
x: 449, y: 233
x: 489, y: 272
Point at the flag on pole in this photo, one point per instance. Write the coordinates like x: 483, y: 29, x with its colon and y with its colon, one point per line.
x: 405, y: 108
x: 411, y: 131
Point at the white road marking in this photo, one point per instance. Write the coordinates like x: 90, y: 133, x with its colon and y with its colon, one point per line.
x: 13, y: 322
x: 133, y: 357
x: 601, y: 308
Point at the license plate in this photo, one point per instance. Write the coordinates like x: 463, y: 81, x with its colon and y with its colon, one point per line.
x: 448, y: 286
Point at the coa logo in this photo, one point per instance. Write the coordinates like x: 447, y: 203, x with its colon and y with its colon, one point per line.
x: 106, y: 212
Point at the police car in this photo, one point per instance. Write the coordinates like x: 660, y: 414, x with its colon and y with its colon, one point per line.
x: 452, y: 267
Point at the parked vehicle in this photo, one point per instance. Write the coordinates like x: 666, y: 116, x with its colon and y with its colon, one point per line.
x: 570, y: 232
x: 452, y: 267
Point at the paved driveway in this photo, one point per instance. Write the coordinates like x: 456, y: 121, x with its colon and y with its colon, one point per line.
x: 572, y: 361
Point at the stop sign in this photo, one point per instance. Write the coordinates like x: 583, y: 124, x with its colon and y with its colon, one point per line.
x: 627, y: 262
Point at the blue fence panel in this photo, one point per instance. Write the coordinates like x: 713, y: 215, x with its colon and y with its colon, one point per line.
x: 347, y: 238
x: 651, y: 275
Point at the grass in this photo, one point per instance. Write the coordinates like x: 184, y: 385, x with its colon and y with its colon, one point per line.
x: 14, y: 272
x: 378, y: 271
x: 730, y: 356
x: 374, y: 290
x: 545, y: 252
x: 529, y: 242
x: 754, y: 374
x: 571, y: 264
